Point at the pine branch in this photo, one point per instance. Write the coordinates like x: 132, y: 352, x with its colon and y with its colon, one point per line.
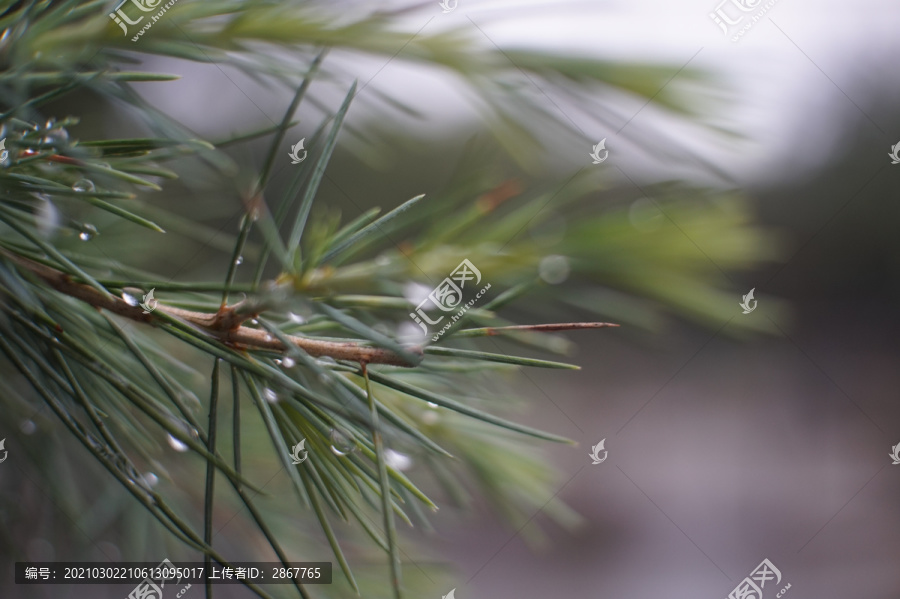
x: 225, y: 324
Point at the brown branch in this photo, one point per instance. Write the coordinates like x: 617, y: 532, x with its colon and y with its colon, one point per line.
x: 224, y: 325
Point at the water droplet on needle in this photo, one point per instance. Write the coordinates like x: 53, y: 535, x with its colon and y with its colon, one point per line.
x: 176, y: 444
x: 341, y: 443
x: 87, y: 232
x: 83, y: 185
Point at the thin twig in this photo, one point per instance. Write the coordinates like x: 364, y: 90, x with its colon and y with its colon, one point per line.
x: 225, y: 324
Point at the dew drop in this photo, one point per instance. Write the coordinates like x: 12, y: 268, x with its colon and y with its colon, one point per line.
x: 239, y: 260
x: 396, y: 460
x: 254, y: 321
x: 411, y: 334
x: 55, y: 137
x: 430, y: 418
x: 177, y: 445
x: 554, y: 269
x: 83, y: 185
x: 416, y: 293
x: 341, y: 442
x: 296, y: 318
x: 130, y: 299
x: 186, y: 430
x: 190, y: 399
x: 87, y: 232
x: 46, y: 216
x: 27, y: 427
x: 270, y: 395
x: 150, y: 479
x: 268, y: 337
x: 288, y: 362
x: 431, y: 404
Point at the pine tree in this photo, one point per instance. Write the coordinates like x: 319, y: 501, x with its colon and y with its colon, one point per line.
x: 310, y: 336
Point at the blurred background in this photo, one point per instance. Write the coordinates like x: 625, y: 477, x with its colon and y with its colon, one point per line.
x: 733, y: 438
